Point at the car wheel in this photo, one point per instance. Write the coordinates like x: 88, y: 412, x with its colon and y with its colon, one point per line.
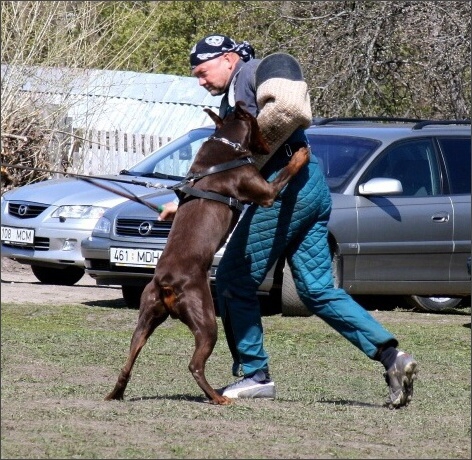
x: 433, y: 303
x: 132, y: 295
x: 67, y: 276
x: 291, y: 302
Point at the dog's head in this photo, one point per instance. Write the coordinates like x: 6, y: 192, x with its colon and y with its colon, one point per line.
x: 252, y: 139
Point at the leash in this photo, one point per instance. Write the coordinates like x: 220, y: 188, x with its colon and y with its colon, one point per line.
x: 125, y: 194
x: 81, y: 176
x: 180, y: 188
x: 92, y: 180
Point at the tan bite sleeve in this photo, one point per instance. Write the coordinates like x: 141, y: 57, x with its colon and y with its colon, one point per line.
x: 285, y: 106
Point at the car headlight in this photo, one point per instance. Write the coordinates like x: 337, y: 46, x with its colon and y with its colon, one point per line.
x: 79, y: 212
x: 102, y: 227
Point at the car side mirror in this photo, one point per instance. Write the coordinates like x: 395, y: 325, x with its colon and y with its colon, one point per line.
x: 381, y: 186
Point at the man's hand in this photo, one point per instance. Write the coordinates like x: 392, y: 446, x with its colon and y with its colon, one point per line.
x: 168, y: 211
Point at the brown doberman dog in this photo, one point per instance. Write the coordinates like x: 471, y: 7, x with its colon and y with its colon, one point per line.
x: 220, y: 181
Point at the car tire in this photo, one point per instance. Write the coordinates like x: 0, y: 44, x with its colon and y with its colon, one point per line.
x: 67, y: 276
x: 292, y: 305
x: 433, y: 303
x: 132, y: 295
x: 290, y: 300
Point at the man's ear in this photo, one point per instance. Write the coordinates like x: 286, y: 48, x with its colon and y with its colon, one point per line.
x: 231, y: 58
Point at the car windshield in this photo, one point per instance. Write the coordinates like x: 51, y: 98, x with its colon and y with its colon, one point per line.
x: 173, y: 160
x: 339, y: 156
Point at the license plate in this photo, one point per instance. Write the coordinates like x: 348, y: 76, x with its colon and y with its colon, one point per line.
x: 128, y: 257
x: 18, y: 235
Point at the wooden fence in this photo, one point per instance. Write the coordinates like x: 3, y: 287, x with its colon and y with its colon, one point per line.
x: 105, y: 152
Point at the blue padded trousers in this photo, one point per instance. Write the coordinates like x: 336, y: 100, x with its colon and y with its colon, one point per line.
x: 295, y: 226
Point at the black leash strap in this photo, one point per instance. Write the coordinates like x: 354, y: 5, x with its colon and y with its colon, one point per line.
x: 230, y: 201
x: 179, y: 189
x: 124, y: 193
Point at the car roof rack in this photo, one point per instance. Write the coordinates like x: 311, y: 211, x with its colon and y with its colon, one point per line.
x: 424, y: 123
x: 326, y: 121
x: 419, y: 123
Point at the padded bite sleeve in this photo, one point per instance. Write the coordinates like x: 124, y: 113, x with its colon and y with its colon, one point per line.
x: 283, y: 100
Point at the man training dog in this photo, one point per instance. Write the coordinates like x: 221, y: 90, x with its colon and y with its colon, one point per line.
x: 221, y: 180
x: 295, y: 227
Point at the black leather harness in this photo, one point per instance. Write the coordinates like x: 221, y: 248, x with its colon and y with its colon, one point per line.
x: 185, y: 191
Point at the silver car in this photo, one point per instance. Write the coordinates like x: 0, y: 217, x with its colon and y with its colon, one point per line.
x: 43, y: 224
x: 400, y: 223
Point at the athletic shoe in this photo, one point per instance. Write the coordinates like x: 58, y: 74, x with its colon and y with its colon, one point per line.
x: 400, y: 379
x: 258, y: 385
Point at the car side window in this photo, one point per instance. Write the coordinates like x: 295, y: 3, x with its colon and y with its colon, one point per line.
x: 413, y: 163
x: 457, y: 156
x: 339, y: 156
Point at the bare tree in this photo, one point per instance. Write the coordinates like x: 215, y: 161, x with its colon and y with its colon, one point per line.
x: 396, y: 58
x: 57, y: 35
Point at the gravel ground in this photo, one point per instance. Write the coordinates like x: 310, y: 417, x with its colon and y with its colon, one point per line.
x: 17, y: 280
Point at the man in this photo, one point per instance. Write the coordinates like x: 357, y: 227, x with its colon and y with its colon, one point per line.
x: 295, y: 226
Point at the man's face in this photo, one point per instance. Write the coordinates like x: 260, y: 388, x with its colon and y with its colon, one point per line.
x: 214, y: 75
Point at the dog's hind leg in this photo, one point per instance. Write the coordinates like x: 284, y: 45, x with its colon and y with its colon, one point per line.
x: 205, y: 330
x: 151, y: 313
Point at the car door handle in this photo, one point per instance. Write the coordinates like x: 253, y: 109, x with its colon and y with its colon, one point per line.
x: 440, y: 217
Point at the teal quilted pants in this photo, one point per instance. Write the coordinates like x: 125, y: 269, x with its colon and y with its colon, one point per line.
x: 296, y: 225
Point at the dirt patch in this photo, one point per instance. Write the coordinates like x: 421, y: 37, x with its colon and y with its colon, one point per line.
x: 16, y: 277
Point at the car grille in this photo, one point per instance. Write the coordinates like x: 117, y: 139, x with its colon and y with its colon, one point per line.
x: 143, y: 228
x: 39, y: 244
x: 25, y: 210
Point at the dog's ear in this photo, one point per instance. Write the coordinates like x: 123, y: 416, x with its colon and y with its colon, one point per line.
x: 216, y: 119
x: 240, y: 111
x: 240, y: 105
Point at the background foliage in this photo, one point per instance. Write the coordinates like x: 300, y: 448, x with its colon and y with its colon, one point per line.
x: 360, y: 58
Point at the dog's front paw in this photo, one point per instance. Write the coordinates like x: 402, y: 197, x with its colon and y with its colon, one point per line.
x: 300, y: 158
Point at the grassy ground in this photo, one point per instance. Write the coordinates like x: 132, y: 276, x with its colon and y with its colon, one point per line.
x: 58, y: 363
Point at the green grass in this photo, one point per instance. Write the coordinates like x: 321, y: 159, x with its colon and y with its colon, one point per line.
x: 59, y: 362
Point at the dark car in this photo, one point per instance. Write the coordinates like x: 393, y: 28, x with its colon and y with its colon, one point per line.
x: 400, y: 225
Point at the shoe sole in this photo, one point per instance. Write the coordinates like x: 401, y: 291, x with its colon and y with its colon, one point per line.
x: 270, y: 397
x: 406, y: 395
x: 265, y: 392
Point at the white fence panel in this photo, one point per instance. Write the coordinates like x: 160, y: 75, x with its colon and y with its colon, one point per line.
x: 108, y: 152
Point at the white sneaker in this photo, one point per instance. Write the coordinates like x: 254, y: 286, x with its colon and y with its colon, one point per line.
x: 256, y: 386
